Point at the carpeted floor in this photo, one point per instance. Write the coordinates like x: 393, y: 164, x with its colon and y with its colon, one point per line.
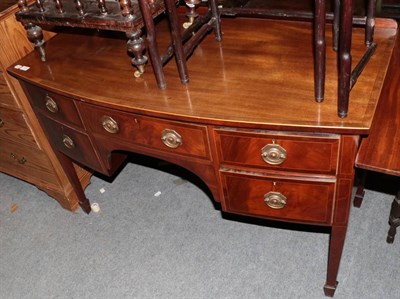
x: 179, y: 245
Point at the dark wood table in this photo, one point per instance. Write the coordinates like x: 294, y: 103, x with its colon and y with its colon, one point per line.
x: 380, y: 151
x: 247, y: 124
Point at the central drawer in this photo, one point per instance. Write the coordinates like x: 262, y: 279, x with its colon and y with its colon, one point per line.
x: 278, y: 197
x: 171, y: 136
x: 309, y: 153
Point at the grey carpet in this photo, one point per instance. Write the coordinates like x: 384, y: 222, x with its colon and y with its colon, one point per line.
x: 179, y: 245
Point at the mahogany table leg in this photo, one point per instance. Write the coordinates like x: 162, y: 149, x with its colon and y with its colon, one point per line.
x: 320, y: 50
x: 152, y: 44
x: 73, y: 177
x: 180, y: 56
x: 394, y: 218
x: 337, y: 238
x: 345, y: 33
x: 370, y: 23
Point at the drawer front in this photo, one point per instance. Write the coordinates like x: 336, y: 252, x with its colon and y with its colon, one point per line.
x: 279, y: 198
x: 27, y: 163
x: 6, y: 98
x: 72, y: 143
x: 301, y: 153
x: 171, y: 136
x: 54, y: 105
x: 14, y: 128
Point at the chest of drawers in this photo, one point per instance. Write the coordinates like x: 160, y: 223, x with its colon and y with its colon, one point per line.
x: 24, y: 150
x: 291, y: 162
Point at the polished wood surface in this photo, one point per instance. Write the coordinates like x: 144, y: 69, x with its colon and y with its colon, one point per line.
x: 273, y: 68
x: 380, y: 151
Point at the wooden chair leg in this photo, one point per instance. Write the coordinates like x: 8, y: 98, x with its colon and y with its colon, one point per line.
x: 394, y: 218
x: 370, y: 23
x: 180, y: 56
x: 152, y: 44
x: 320, y: 50
x: 346, y: 23
x: 335, y: 27
x: 217, y: 23
x: 359, y: 197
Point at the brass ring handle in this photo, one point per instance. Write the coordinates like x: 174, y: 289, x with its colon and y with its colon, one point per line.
x: 1, y: 123
x: 68, y: 142
x: 109, y: 124
x: 171, y: 138
x: 20, y: 161
x: 275, y: 200
x: 273, y: 154
x: 51, y: 105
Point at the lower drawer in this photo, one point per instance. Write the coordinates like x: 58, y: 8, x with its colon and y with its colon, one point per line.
x: 26, y: 163
x: 298, y: 200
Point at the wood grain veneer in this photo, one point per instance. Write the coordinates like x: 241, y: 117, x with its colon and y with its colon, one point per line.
x: 273, y: 67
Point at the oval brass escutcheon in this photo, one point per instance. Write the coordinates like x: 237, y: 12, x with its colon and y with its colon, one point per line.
x: 171, y: 138
x: 273, y: 154
x: 275, y: 200
x: 109, y: 124
x: 1, y: 123
x: 51, y: 105
x: 68, y: 142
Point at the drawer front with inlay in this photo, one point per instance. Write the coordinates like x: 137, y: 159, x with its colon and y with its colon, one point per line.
x: 171, y: 136
x: 279, y: 198
x: 54, y: 105
x: 72, y: 143
x: 300, y: 153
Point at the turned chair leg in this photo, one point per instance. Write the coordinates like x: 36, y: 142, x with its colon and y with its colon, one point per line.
x: 320, y: 50
x: 394, y: 218
x: 217, y: 20
x: 35, y: 36
x: 370, y: 22
x: 345, y: 34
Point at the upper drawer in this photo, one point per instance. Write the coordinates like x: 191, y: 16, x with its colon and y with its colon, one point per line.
x: 6, y: 98
x: 58, y: 107
x: 171, y: 136
x: 301, y: 153
x: 14, y: 128
x: 72, y: 143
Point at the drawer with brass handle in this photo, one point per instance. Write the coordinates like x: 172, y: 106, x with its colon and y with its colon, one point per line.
x: 172, y: 136
x: 26, y: 162
x: 72, y: 143
x: 310, y: 153
x: 53, y: 105
x: 291, y: 199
